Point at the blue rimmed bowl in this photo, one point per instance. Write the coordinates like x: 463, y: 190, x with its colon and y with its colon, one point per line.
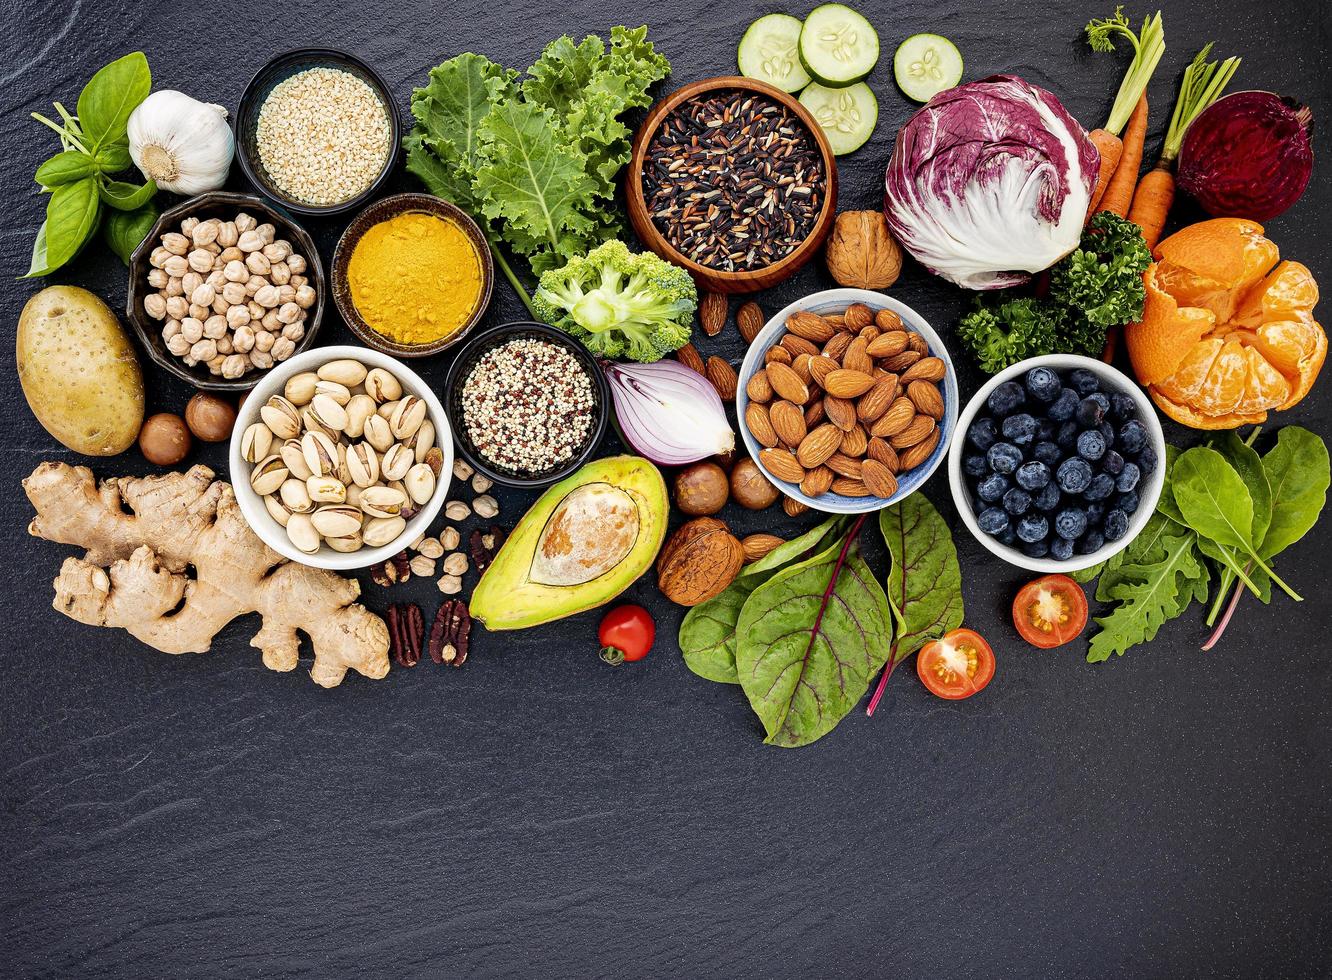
x: 828, y: 302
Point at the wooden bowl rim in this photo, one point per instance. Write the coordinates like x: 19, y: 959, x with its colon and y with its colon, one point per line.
x: 658, y: 242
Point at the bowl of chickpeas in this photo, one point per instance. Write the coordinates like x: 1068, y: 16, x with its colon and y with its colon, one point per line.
x: 223, y: 288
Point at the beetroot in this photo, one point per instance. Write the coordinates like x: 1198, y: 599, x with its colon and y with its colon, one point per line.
x: 1248, y: 155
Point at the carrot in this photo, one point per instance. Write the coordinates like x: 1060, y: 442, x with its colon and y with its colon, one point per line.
x: 1111, y: 147
x: 1119, y: 192
x: 1151, y: 203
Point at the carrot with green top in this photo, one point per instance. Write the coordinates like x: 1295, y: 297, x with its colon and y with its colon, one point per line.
x: 1119, y: 192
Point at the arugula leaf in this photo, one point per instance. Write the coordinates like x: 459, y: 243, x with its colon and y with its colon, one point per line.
x: 110, y: 96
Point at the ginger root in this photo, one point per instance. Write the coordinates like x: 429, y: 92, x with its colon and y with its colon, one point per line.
x: 136, y: 572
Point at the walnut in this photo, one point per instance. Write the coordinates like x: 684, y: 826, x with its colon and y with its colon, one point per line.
x: 861, y: 251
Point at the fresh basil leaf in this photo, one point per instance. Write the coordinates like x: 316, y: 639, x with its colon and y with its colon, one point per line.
x: 925, y: 582
x: 111, y: 95
x: 1297, y: 470
x: 123, y: 231
x: 112, y: 158
x: 65, y: 168
x: 71, y: 217
x: 126, y: 197
x: 40, y: 264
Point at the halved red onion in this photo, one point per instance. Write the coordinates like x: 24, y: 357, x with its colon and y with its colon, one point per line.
x: 669, y: 413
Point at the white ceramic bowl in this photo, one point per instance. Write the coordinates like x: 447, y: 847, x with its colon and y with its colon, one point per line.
x: 1149, y: 488
x: 834, y: 301
x: 252, y: 507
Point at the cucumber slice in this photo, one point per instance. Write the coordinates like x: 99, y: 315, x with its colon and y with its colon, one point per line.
x: 847, y: 115
x: 770, y: 52
x: 925, y: 65
x: 837, y: 45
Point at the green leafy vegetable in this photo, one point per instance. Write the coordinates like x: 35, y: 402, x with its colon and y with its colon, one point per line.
x: 123, y: 231
x: 126, y: 197
x: 1001, y: 334
x: 620, y: 304
x: 71, y: 217
x: 809, y: 640
x: 110, y: 96
x: 65, y: 168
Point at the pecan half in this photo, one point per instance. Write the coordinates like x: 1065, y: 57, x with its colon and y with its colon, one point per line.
x: 484, y: 545
x: 391, y: 571
x: 406, y: 629
x: 449, y: 633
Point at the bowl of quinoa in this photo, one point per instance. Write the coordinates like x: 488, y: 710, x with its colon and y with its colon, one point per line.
x: 528, y: 404
x: 316, y: 131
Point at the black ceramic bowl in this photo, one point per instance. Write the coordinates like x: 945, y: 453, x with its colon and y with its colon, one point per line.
x: 256, y: 93
x: 461, y: 368
x: 224, y: 205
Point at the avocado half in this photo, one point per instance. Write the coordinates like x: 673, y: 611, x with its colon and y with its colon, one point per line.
x: 584, y: 542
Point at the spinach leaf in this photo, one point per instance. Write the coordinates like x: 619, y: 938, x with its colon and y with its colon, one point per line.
x: 126, y: 197
x: 110, y: 96
x: 925, y: 582
x: 707, y: 635
x: 71, y: 217
x: 1298, y: 472
x: 124, y: 230
x: 809, y: 640
x: 1241, y: 456
x: 65, y: 168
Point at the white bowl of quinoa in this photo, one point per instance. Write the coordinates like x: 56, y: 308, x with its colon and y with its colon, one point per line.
x: 316, y: 131
x: 528, y: 404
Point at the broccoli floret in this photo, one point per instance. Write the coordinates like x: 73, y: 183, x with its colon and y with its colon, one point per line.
x: 620, y: 303
x: 1005, y: 333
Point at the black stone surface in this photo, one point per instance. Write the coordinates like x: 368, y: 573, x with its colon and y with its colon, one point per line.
x: 539, y: 814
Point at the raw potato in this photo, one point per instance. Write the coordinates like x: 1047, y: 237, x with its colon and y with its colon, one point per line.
x: 79, y: 372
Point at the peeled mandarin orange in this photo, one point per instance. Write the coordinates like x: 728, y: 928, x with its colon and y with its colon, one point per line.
x: 1227, y: 331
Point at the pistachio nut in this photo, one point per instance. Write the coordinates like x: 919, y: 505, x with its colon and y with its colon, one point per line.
x: 338, y: 392
x: 321, y: 454
x: 363, y: 465
x: 342, y: 473
x: 386, y: 409
x: 382, y: 501
x: 256, y: 441
x: 337, y: 521
x: 300, y: 388
x: 407, y: 417
x: 268, y: 474
x: 295, y: 497
x: 382, y: 530
x: 277, y: 509
x: 382, y: 386
x: 420, y: 483
x: 326, y: 490
x: 328, y: 412
x: 359, y: 408
x: 396, y: 462
x: 421, y: 441
x: 281, y: 417
x: 346, y: 544
x: 378, y: 434
x: 354, y: 495
x: 313, y: 423
x: 344, y: 371
x: 294, y: 457
x: 301, y: 532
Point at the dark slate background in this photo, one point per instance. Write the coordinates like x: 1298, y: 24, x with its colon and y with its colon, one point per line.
x: 537, y: 813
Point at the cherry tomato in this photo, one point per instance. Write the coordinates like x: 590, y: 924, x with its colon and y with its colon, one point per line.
x: 956, y: 666
x: 626, y: 633
x: 1050, y: 611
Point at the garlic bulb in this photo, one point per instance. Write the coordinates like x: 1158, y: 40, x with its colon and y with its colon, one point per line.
x: 183, y: 144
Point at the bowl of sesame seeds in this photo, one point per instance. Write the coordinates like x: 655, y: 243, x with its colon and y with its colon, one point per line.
x: 316, y: 131
x: 735, y: 181
x: 528, y: 404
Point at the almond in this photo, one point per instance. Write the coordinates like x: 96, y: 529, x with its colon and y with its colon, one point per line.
x: 858, y: 315
x: 820, y: 367
x: 857, y: 357
x: 869, y: 334
x: 712, y: 312
x: 801, y: 367
x: 920, y: 427
x: 777, y: 353
x: 757, y: 545
x: 878, y: 479
x: 900, y: 362
x: 844, y: 465
x: 840, y: 412
x: 816, y: 447
x: 750, y: 320
x: 816, y: 482
x: 835, y: 320
x: 793, y: 507
x: 879, y: 450
x: 854, y: 442
x: 759, y: 388
x: 920, y: 345
x: 920, y: 452
x: 723, y: 378
x: 799, y: 345
x: 888, y: 320
x: 836, y: 347
x: 847, y: 383
x: 788, y: 422
x: 925, y: 396
x: 875, y: 402
x: 814, y: 413
x: 760, y: 425
x: 809, y: 325
x: 926, y: 369
x: 895, y: 419
x: 787, y: 384
x: 782, y: 465
x: 889, y: 344
x: 847, y: 487
x: 689, y: 356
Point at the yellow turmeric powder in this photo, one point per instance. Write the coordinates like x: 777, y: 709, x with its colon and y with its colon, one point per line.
x: 415, y: 278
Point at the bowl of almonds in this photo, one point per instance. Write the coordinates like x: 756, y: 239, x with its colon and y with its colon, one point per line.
x: 847, y: 400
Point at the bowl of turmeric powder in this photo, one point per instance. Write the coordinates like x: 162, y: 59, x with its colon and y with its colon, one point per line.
x: 412, y: 275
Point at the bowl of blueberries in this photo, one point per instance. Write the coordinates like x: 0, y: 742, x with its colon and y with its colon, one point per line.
x: 1058, y: 463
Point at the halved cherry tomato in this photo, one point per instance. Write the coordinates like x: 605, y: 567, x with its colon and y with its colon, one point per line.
x: 956, y: 666
x: 626, y: 634
x: 1050, y: 611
